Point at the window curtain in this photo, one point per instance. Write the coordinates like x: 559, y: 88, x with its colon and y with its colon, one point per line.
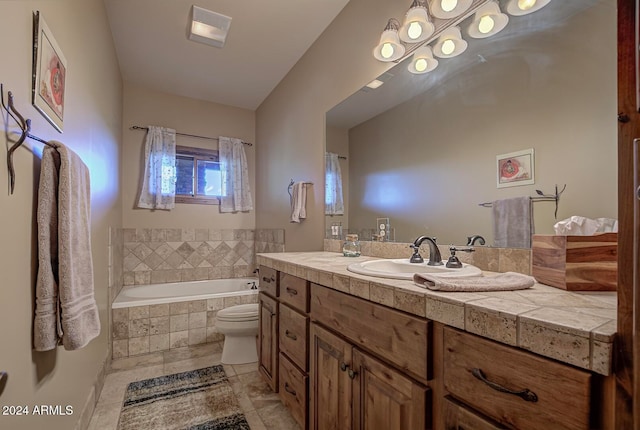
x: 333, y: 201
x: 158, y: 189
x: 236, y: 193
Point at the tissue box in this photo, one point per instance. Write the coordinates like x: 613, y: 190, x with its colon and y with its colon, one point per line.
x: 576, y: 263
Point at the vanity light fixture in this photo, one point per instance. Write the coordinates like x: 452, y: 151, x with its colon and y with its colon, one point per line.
x: 524, y: 7
x: 446, y: 9
x: 208, y: 27
x: 450, y: 43
x: 488, y: 20
x: 417, y: 26
x: 442, y: 20
x: 423, y: 61
x: 390, y: 48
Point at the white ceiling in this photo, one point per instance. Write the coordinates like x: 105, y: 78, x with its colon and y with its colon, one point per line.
x: 265, y: 40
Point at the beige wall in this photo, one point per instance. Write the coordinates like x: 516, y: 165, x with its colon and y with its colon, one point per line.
x: 144, y: 107
x: 290, y: 126
x: 337, y: 141
x: 556, y: 95
x: 92, y: 128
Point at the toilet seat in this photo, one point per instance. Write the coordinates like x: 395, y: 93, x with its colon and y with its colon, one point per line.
x: 239, y: 313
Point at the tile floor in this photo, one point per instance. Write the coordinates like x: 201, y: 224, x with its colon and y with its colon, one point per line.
x: 261, y: 406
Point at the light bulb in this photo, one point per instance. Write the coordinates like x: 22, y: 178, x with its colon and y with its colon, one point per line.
x: 448, y: 46
x: 526, y: 4
x: 387, y: 50
x: 486, y: 24
x: 421, y: 65
x: 415, y: 30
x: 449, y: 5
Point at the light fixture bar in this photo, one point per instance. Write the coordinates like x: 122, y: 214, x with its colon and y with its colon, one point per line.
x: 441, y: 25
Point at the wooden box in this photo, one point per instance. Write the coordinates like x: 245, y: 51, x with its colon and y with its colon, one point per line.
x: 576, y: 263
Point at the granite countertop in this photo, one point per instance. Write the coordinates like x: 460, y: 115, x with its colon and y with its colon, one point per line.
x: 573, y: 327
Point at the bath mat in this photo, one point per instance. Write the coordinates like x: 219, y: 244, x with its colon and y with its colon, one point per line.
x: 196, y: 400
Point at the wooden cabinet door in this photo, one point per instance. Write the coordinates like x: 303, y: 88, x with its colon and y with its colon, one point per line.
x: 330, y: 386
x: 268, y: 340
x: 384, y: 399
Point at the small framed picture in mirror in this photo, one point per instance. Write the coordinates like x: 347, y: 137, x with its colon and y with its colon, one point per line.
x: 515, y: 168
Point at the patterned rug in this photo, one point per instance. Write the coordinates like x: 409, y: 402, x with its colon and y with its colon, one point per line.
x: 196, y: 400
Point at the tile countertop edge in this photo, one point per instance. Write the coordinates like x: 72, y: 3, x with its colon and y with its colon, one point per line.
x: 460, y: 309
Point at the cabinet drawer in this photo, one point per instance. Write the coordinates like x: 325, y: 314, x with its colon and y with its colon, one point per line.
x: 544, y: 393
x: 269, y: 281
x: 293, y: 390
x: 392, y: 335
x: 295, y: 292
x: 459, y: 417
x: 293, y: 335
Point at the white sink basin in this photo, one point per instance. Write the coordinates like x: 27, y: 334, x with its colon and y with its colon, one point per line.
x: 402, y: 269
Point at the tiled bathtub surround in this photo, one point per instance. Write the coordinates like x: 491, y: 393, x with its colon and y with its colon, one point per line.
x: 144, y: 329
x: 484, y: 257
x: 269, y: 240
x: 161, y: 255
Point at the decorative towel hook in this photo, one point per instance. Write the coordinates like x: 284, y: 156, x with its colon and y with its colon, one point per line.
x: 25, y: 131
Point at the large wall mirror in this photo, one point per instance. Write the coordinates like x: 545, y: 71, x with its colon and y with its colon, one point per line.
x: 421, y: 149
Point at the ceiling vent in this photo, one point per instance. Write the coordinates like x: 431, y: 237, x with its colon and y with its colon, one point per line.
x: 209, y: 27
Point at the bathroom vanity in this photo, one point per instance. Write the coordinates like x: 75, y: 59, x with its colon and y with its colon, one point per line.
x: 351, y: 351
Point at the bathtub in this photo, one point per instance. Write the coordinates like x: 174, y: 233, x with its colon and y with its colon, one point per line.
x: 173, y: 292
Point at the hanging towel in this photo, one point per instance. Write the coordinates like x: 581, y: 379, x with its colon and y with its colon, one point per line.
x: 503, y: 282
x: 46, y: 330
x: 66, y: 310
x: 512, y: 222
x: 298, y: 202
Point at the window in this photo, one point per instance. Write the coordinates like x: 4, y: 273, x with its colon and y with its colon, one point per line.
x: 198, y: 177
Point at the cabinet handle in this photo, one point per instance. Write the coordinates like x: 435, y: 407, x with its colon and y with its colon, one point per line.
x: 290, y: 335
x: 292, y: 291
x: 352, y: 373
x: 343, y: 366
x: 288, y: 389
x: 267, y: 280
x: 526, y: 394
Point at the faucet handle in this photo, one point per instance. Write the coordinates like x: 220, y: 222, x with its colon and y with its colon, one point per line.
x: 453, y: 250
x: 453, y: 262
x: 416, y: 257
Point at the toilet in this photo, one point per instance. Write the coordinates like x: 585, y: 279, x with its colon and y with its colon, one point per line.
x: 239, y: 324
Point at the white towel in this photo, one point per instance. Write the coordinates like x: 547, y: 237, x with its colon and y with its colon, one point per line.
x: 512, y: 222
x: 298, y: 202
x: 66, y: 310
x: 503, y: 282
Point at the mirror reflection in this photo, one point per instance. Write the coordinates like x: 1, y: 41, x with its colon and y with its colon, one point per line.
x: 421, y: 150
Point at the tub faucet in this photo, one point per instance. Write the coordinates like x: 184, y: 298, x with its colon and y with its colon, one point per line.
x: 435, y: 259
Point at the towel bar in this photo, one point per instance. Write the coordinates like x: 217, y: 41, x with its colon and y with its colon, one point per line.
x: 291, y: 185
x: 541, y: 197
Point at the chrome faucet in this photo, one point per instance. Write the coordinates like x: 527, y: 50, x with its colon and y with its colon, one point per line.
x: 435, y: 259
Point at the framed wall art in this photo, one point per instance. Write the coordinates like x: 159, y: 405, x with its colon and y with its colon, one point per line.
x: 515, y: 168
x: 49, y: 73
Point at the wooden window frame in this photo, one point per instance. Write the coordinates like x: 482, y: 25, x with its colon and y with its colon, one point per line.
x: 197, y: 154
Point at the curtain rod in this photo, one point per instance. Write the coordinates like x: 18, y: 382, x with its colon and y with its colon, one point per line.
x: 137, y: 127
